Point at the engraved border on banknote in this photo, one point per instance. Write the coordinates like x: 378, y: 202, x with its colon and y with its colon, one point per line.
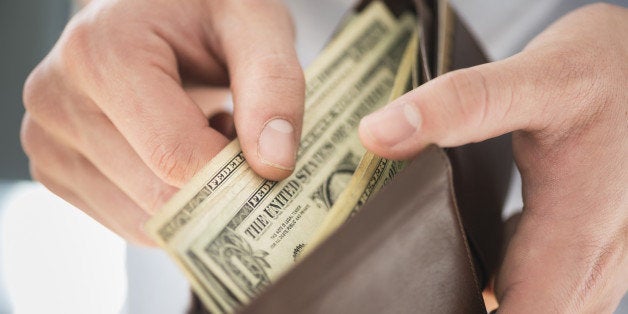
x: 185, y: 213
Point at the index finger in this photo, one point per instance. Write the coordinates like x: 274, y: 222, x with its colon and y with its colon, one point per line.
x: 145, y: 101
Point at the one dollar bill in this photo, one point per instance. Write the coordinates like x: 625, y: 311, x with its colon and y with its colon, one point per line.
x: 232, y: 232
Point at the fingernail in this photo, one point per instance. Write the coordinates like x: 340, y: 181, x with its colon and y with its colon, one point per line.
x: 276, y: 145
x: 393, y: 124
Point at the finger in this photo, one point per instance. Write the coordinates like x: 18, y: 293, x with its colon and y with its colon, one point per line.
x: 144, y: 99
x: 124, y: 230
x: 173, y: 140
x: 107, y: 150
x: 72, y: 177
x: 460, y: 107
x: 180, y: 25
x: 257, y: 41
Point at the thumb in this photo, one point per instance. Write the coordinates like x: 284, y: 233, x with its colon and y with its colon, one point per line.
x: 460, y: 107
x: 257, y: 41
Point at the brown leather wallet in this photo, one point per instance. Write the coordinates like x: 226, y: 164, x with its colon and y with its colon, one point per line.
x: 427, y: 242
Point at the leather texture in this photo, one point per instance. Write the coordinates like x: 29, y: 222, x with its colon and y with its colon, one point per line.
x: 405, y: 252
x: 481, y: 171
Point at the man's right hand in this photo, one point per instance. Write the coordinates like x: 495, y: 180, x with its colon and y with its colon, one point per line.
x: 117, y: 113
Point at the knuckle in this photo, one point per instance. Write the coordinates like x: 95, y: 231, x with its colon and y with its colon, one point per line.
x: 564, y: 64
x: 471, y: 92
x: 46, y: 100
x: 172, y: 161
x: 573, y: 83
x: 279, y: 69
x: 34, y: 90
x: 74, y: 53
x: 28, y: 136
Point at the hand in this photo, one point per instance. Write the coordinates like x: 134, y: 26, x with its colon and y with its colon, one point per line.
x: 565, y: 97
x: 117, y: 113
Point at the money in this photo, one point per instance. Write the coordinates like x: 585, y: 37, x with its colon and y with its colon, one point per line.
x: 233, y: 232
x: 327, y: 73
x: 373, y: 172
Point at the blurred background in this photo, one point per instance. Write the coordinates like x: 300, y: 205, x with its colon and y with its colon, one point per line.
x: 55, y: 259
x: 27, y: 31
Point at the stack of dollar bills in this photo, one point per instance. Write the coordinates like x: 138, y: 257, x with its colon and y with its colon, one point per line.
x: 232, y: 232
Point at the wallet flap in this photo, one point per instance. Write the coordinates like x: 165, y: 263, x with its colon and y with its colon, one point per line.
x: 481, y: 171
x: 404, y: 253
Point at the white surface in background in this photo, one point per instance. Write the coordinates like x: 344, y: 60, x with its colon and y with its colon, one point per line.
x: 155, y: 284
x: 57, y: 259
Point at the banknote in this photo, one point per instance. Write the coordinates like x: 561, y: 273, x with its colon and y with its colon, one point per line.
x: 232, y: 232
x: 260, y: 234
x: 373, y: 172
x: 328, y: 72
